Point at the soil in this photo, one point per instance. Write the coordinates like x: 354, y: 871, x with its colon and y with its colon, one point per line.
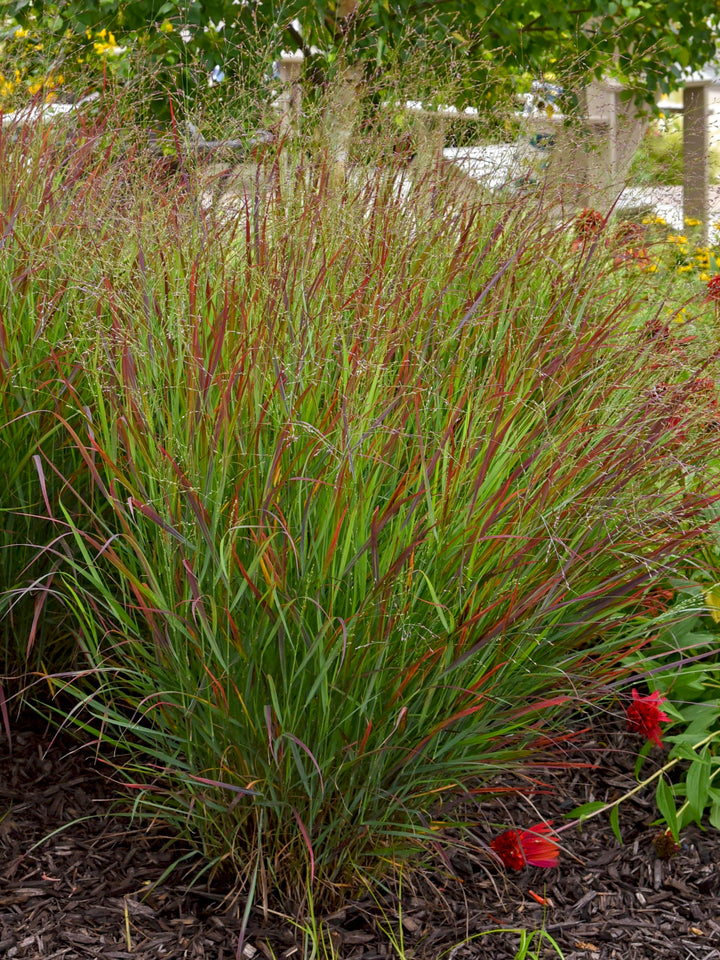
x: 80, y: 884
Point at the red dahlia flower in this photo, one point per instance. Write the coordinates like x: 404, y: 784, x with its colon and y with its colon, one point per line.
x: 520, y: 848
x: 644, y: 715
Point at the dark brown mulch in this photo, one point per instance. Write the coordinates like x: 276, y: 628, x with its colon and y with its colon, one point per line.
x: 97, y: 889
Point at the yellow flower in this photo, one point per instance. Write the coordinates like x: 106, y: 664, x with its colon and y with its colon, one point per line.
x: 109, y: 46
x: 6, y: 87
x: 676, y: 238
x: 21, y: 32
x: 166, y: 27
x: 692, y: 222
x: 684, y: 268
x: 704, y: 277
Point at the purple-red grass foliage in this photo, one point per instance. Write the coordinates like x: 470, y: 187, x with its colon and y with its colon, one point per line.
x: 346, y: 495
x: 67, y: 195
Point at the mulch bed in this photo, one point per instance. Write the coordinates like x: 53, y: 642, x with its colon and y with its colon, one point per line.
x: 98, y: 888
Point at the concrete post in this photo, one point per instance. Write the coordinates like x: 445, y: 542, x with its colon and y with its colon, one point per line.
x: 340, y: 114
x: 289, y: 103
x: 615, y: 131
x: 592, y: 157
x: 696, y: 155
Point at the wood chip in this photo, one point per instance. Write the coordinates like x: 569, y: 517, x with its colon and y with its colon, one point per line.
x: 608, y: 900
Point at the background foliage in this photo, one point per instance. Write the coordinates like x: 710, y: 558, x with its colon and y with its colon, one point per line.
x: 644, y: 43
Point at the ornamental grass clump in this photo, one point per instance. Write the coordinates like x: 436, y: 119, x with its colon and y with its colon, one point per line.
x: 348, y: 494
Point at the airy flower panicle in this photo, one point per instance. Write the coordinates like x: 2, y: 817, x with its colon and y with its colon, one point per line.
x: 520, y: 848
x: 645, y: 716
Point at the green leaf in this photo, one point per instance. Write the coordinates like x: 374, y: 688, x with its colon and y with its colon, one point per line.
x: 585, y: 809
x: 642, y: 754
x: 683, y: 750
x: 665, y: 800
x: 698, y: 782
x: 615, y: 823
x: 685, y: 817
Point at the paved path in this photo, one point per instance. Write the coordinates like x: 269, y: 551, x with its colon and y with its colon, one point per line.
x: 497, y: 164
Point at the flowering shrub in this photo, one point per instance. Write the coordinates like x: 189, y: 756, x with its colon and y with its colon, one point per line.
x: 36, y: 63
x: 92, y: 50
x: 521, y: 848
x: 682, y: 254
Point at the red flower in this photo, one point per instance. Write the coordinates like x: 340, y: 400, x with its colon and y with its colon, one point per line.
x: 645, y: 717
x: 520, y: 848
x: 629, y: 234
x: 588, y: 223
x: 713, y: 288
